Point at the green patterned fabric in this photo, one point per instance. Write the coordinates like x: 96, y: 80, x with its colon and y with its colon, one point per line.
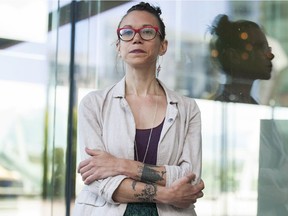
x: 141, y: 209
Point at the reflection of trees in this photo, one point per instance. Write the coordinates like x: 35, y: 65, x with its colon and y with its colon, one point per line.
x: 228, y: 178
x: 280, y: 90
x: 54, y: 162
x: 273, y: 169
x: 20, y: 147
x: 59, y: 172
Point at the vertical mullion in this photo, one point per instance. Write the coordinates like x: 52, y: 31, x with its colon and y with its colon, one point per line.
x: 70, y: 133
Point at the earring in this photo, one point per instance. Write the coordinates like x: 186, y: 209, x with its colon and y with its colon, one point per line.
x: 158, y: 71
x: 159, y: 66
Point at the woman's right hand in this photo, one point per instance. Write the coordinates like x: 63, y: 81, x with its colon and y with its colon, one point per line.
x: 182, y: 193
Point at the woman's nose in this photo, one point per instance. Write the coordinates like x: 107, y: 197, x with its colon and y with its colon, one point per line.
x: 270, y: 55
x: 137, y: 37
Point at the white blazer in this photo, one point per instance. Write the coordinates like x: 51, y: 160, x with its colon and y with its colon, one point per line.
x: 105, y: 122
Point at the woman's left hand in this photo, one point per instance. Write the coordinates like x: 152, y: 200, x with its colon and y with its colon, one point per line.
x: 99, y: 166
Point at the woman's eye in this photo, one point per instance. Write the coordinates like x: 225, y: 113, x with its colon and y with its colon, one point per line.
x: 127, y: 32
x: 147, y: 31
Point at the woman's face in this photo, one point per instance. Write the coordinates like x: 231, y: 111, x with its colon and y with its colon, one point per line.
x: 139, y: 52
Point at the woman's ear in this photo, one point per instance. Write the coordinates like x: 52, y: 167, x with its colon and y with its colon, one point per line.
x: 118, y: 45
x: 163, y: 47
x: 118, y: 48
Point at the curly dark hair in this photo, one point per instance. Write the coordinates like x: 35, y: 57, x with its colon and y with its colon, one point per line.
x: 156, y: 11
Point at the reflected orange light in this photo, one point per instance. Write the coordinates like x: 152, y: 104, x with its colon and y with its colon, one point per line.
x: 244, y: 35
x: 214, y: 53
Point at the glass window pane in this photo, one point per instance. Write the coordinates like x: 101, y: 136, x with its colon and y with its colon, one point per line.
x: 244, y: 145
x: 232, y: 132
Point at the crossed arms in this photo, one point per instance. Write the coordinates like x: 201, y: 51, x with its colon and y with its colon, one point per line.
x: 144, y: 183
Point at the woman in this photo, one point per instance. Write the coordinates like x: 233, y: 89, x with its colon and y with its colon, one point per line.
x: 146, y: 139
x: 241, y: 50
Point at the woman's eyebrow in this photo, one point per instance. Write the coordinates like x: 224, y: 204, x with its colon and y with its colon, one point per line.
x: 126, y: 26
x: 129, y: 26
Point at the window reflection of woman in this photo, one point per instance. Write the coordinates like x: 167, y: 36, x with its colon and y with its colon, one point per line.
x: 140, y: 142
x: 241, y: 50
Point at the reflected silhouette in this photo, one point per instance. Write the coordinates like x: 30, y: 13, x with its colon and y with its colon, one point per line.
x: 241, y: 50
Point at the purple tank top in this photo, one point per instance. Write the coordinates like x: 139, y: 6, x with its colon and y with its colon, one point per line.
x: 141, y: 138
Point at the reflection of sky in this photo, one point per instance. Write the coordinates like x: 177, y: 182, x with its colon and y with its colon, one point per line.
x: 24, y: 20
x: 189, y: 17
x: 186, y: 16
x: 192, y: 17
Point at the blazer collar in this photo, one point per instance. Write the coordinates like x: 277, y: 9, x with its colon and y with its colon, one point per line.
x: 119, y: 91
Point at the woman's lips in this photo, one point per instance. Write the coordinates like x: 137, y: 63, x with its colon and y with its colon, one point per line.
x: 137, y: 51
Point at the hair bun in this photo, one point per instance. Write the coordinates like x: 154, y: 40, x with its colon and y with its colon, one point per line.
x: 158, y: 10
x: 220, y: 25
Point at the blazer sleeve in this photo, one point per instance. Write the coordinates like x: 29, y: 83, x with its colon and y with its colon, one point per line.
x: 90, y: 136
x: 190, y: 159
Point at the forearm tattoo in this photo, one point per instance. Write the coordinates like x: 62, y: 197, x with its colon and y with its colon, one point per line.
x: 150, y: 175
x: 148, y: 193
